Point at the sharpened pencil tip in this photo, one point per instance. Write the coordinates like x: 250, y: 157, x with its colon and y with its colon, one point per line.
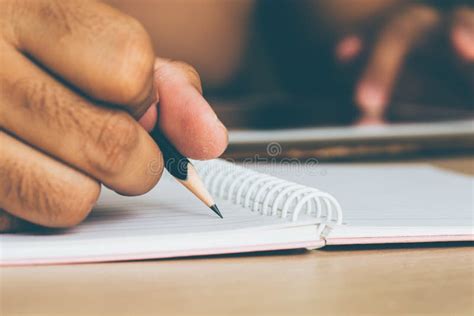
x: 216, y: 210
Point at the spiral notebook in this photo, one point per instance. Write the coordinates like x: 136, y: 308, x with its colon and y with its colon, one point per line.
x: 261, y: 212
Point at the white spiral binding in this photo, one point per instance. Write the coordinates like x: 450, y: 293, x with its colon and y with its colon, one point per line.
x: 268, y: 195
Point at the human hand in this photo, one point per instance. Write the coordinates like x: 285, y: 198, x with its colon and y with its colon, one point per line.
x: 74, y: 77
x: 403, y: 33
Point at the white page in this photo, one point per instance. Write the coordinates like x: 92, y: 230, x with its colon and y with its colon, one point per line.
x: 399, y: 199
x: 169, y: 209
x: 167, y: 219
x: 389, y: 195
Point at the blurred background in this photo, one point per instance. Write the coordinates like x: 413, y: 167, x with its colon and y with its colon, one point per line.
x: 333, y: 79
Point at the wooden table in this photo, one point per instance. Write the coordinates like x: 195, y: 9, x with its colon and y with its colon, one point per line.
x: 351, y: 280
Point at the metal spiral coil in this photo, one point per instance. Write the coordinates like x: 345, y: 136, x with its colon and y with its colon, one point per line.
x: 266, y: 194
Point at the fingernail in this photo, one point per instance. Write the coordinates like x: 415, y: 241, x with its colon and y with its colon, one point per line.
x: 348, y: 48
x: 463, y: 37
x: 371, y: 97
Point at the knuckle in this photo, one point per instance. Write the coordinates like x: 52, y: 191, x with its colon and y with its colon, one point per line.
x: 47, y: 102
x: 55, y: 13
x: 174, y: 66
x: 51, y: 201
x: 191, y: 73
x: 114, y: 142
x: 134, y: 61
x: 187, y: 68
x: 37, y: 96
x: 74, y: 209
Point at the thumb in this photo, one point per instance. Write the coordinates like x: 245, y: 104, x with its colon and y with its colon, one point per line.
x: 183, y: 114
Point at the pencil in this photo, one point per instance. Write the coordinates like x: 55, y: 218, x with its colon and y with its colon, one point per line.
x: 183, y: 170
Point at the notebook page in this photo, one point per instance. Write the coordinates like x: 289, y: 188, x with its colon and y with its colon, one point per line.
x: 168, y: 218
x: 390, y: 196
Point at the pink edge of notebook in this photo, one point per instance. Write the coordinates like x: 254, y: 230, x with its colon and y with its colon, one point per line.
x: 218, y: 251
x: 397, y: 239
x: 168, y: 254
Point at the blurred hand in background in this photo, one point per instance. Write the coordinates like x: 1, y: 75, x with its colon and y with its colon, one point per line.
x: 406, y: 27
x: 224, y: 39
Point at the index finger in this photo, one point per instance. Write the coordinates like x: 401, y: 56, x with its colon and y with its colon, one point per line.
x: 96, y: 48
x: 374, y: 89
x: 462, y: 33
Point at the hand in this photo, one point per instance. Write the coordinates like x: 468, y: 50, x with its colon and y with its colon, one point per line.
x: 402, y: 33
x: 462, y: 35
x: 74, y: 77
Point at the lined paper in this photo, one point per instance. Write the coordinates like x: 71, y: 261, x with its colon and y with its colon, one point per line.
x: 169, y: 209
x: 391, y: 203
x: 390, y: 195
x: 167, y: 219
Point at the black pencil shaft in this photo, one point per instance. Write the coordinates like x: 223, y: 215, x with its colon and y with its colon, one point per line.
x: 175, y: 163
x: 182, y: 169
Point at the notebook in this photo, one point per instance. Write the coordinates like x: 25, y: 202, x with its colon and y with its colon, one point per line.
x: 390, y: 132
x: 336, y: 142
x: 392, y: 203
x: 265, y: 207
